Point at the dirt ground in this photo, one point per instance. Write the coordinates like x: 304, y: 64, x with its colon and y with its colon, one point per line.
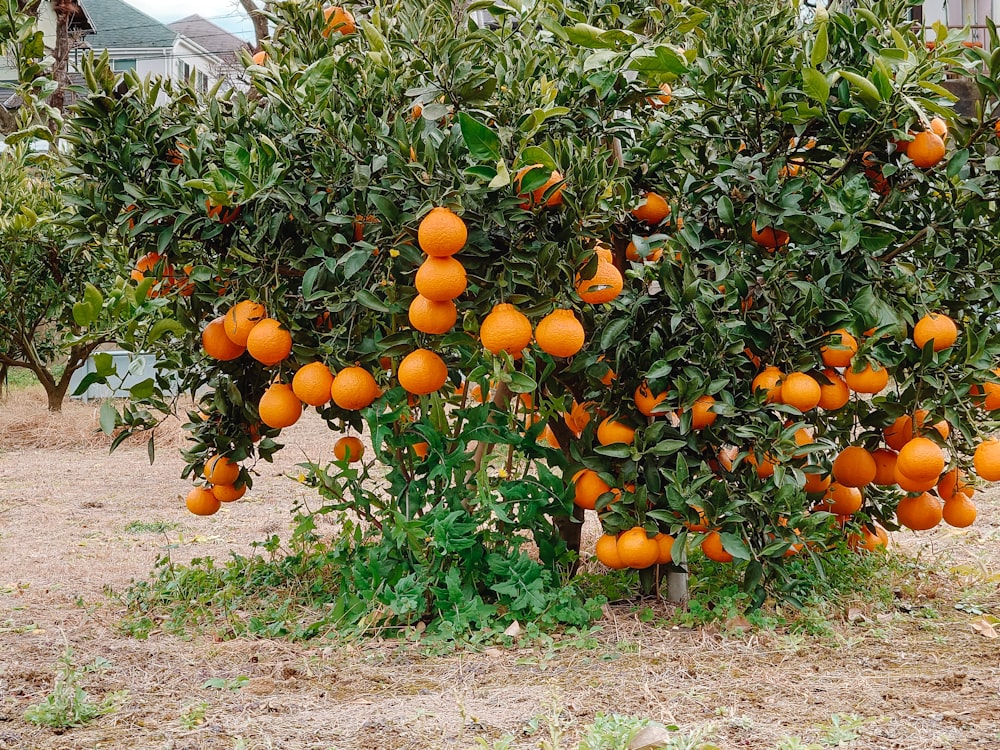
x: 74, y: 520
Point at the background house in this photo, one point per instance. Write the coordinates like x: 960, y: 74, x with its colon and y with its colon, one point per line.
x: 960, y: 13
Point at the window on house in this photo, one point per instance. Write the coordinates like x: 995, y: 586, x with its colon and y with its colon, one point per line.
x: 202, y: 82
x: 183, y: 70
x: 125, y: 63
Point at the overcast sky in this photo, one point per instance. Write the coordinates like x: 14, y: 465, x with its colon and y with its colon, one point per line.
x: 225, y: 13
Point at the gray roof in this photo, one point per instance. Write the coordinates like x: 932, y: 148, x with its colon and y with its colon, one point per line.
x: 117, y: 24
x: 203, y: 32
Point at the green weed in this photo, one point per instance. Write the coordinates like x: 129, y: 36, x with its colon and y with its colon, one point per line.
x: 69, y: 705
x: 150, y: 527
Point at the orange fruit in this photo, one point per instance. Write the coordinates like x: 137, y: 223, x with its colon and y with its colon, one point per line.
x: 422, y: 372
x: 268, y: 342
x: 609, y: 375
x: 701, y: 412
x: 354, y: 388
x: 926, y: 150
x: 587, y: 487
x: 505, y: 329
x: 220, y: 470
x: 652, y: 210
x: 919, y: 512
x: 953, y: 483
x: 663, y: 98
x: 348, y: 448
x: 560, y: 333
x: 603, y: 252
x: 440, y: 279
x: 868, y: 380
x: 202, y: 502
x: 990, y: 393
x: 816, y: 482
x: 610, y: 431
x: 537, y: 196
x: 921, y: 460
x: 885, y: 467
x: 279, y: 406
x: 899, y: 433
x: 637, y: 550
x: 854, y: 467
x: 842, y: 500
x: 646, y: 402
x: 606, y: 284
x: 713, y: 549
x: 939, y: 127
x: 338, y: 19
x: 260, y: 58
x: 241, y: 319
x: 920, y: 419
x: 801, y: 391
x: 841, y: 349
x: 768, y: 236
x: 146, y: 266
x: 429, y: 316
x: 936, y: 328
x: 908, y: 484
x: 867, y: 540
x: 764, y: 466
x: 228, y: 493
x: 632, y: 253
x: 665, y: 546
x: 607, y: 552
x: 442, y: 233
x: 726, y: 456
x: 959, y: 512
x: 835, y: 394
x: 769, y: 380
x: 217, y: 344
x: 986, y: 459
x: 311, y: 383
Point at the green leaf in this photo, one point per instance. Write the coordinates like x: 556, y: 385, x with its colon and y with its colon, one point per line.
x: 482, y: 142
x: 521, y: 383
x: 613, y: 332
x: 867, y: 90
x: 164, y: 326
x: 143, y: 389
x: 535, y: 155
x: 958, y: 160
x: 821, y: 46
x: 663, y: 59
x: 367, y: 299
x: 815, y: 86
x: 84, y: 314
x: 108, y: 417
x: 726, y: 211
x: 939, y: 90
x: 354, y: 261
x: 735, y: 546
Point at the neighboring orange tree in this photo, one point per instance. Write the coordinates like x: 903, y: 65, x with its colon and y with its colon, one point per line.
x: 678, y: 205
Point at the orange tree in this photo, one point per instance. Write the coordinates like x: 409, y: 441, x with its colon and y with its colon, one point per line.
x: 402, y: 200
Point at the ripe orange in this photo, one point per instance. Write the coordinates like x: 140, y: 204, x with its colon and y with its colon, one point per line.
x: 919, y: 512
x: 713, y: 549
x: 899, y: 433
x: 663, y: 98
x: 260, y: 58
x: 854, y: 467
x: 939, y: 329
x: 227, y: 493
x: 354, y: 388
x: 842, y: 500
x: 959, y: 512
x: 268, y: 342
x: 217, y: 344
x: 607, y: 552
x: 765, y: 466
x: 701, y: 412
x: 560, y: 333
x: 867, y: 540
x: 442, y: 233
x: 609, y: 375
x: 652, y: 210
x: 835, y: 394
x: 841, y: 349
x: 986, y: 459
x: 240, y: 320
x: 885, y: 467
x: 801, y: 391
x: 908, y: 484
x: 769, y: 380
x: 921, y: 460
x: 146, y: 266
x: 220, y: 470
x: 868, y: 380
x: 926, y: 150
x: 606, y: 284
x: 646, y: 402
x: 279, y: 406
x: 920, y: 420
x: 632, y: 253
x: 202, y: 502
x: 440, y: 279
x: 939, y: 127
x: 537, y: 196
x: 610, y: 431
x: 338, y: 19
x: 768, y: 237
x: 953, y: 483
x: 422, y: 372
x: 665, y: 545
x: 348, y: 448
x: 603, y: 252
x: 311, y: 383
x: 429, y: 316
x: 637, y: 550
x: 587, y: 487
x: 816, y: 482
x: 505, y: 329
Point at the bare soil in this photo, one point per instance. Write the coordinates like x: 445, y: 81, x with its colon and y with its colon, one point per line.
x: 917, y: 675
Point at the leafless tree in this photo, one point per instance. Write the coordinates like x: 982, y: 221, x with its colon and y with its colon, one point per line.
x: 64, y: 10
x: 255, y: 11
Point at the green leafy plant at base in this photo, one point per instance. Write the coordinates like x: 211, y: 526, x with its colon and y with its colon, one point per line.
x: 69, y: 705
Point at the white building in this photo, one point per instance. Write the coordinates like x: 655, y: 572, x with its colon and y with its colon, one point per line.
x: 958, y: 14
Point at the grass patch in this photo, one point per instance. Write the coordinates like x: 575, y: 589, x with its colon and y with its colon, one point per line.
x: 150, y: 527
x: 69, y: 705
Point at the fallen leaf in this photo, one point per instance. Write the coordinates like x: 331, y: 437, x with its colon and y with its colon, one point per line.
x: 984, y: 627
x: 650, y: 737
x: 855, y: 615
x: 513, y: 630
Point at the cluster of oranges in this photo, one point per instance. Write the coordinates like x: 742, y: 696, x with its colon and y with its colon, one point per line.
x: 152, y: 264
x: 224, y: 486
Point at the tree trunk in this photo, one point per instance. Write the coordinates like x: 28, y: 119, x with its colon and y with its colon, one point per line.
x: 55, y: 393
x: 60, y: 65
x: 260, y: 27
